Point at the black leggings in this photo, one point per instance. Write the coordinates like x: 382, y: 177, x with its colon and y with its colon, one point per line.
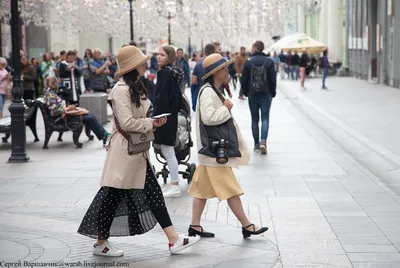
x: 162, y: 216
x: 234, y: 80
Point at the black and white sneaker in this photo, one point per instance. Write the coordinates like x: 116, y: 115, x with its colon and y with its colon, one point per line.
x: 182, y: 243
x: 107, y: 250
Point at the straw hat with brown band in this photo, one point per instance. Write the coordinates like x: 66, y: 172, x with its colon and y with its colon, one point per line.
x: 213, y: 63
x: 129, y: 59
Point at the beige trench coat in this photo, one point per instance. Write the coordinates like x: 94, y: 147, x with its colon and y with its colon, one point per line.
x: 121, y: 170
x: 213, y: 113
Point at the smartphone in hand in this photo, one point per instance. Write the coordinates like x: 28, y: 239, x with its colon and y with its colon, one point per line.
x: 160, y: 116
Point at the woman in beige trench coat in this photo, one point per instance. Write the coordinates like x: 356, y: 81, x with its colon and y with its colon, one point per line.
x: 211, y: 178
x: 130, y: 200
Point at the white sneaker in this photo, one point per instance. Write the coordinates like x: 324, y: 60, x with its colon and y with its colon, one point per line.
x: 172, y: 191
x: 107, y: 250
x: 182, y: 243
x: 164, y: 187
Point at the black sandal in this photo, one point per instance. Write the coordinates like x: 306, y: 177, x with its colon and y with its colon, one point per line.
x: 246, y: 233
x: 194, y: 232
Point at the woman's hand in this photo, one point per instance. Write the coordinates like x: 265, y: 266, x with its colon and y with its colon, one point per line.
x: 70, y: 107
x: 159, y: 122
x: 228, y: 104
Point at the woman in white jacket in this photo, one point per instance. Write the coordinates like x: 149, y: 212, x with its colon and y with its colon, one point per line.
x: 212, y: 179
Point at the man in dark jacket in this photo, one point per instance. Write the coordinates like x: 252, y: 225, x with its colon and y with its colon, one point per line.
x: 182, y: 64
x: 259, y: 84
x: 295, y: 65
x: 28, y: 75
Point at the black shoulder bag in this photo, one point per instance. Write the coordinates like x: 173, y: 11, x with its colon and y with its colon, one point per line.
x: 225, y: 131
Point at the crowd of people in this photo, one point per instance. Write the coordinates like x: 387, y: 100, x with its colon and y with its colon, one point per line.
x: 130, y: 201
x: 297, y: 66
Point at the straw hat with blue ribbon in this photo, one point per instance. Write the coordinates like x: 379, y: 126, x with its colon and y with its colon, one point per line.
x: 213, y: 63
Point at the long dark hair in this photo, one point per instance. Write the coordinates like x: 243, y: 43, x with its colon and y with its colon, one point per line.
x: 136, y: 87
x: 90, y: 51
x: 210, y: 80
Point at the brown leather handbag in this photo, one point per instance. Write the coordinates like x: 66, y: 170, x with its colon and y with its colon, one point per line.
x: 137, y: 142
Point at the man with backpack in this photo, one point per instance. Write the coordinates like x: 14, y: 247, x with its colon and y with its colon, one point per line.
x: 259, y: 85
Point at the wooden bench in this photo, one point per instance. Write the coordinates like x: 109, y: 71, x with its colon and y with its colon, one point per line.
x: 30, y: 121
x: 73, y: 123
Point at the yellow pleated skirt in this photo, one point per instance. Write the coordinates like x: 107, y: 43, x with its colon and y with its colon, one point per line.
x: 210, y: 182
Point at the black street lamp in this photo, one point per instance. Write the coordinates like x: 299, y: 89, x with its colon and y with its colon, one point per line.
x: 17, y: 107
x: 160, y: 8
x: 169, y: 26
x: 131, y: 17
x: 189, y: 46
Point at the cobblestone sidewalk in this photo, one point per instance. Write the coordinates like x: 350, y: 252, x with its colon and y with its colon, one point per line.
x: 324, y: 209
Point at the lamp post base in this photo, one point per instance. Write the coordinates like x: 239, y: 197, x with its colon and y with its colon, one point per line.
x: 18, y: 158
x: 18, y: 133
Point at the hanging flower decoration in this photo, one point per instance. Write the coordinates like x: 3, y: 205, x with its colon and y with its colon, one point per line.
x: 233, y: 23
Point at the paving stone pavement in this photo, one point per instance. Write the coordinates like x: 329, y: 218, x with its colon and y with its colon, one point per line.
x: 323, y: 207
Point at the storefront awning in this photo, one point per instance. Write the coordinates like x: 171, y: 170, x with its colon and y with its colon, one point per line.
x: 305, y: 42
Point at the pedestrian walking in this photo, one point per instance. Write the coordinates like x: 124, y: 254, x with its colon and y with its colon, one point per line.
x: 259, y: 84
x: 194, y: 60
x: 295, y: 66
x: 239, y: 63
x: 214, y: 176
x: 289, y: 58
x: 4, y: 80
x: 183, y: 64
x: 153, y: 64
x: 198, y: 73
x: 232, y: 71
x: 325, y: 67
x: 169, y: 100
x: 277, y: 61
x: 304, y: 63
x: 130, y: 200
x: 282, y: 65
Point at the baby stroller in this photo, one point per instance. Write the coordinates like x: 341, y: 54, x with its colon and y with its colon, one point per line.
x: 182, y: 145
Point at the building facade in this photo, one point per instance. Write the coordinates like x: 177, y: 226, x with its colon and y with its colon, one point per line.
x: 373, y: 33
x: 323, y: 21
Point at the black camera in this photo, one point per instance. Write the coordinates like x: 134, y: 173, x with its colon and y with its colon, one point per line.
x: 221, y: 150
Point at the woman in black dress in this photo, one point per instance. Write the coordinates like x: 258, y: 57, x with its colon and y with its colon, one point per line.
x: 130, y: 200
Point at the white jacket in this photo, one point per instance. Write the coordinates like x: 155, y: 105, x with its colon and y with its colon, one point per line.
x: 213, y: 113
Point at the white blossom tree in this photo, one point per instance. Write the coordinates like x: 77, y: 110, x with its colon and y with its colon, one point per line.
x: 233, y: 23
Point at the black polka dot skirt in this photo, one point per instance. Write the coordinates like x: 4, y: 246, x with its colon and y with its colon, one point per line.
x: 121, y: 212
